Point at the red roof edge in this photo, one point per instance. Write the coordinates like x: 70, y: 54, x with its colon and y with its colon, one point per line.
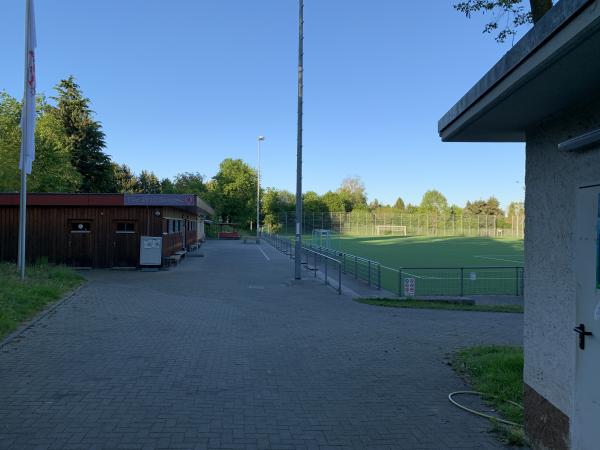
x: 58, y: 199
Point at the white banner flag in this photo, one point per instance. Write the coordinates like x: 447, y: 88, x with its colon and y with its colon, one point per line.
x: 28, y: 115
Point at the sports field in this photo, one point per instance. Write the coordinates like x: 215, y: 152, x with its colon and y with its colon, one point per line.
x: 489, y: 265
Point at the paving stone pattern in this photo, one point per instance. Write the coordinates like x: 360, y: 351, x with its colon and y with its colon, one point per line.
x: 225, y: 352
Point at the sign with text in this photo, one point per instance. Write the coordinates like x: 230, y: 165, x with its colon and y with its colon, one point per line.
x: 409, y: 287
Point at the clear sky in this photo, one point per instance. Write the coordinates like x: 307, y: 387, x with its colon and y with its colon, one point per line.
x: 181, y: 84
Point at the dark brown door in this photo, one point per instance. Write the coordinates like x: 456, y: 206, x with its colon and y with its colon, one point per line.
x: 125, y: 244
x: 80, y: 243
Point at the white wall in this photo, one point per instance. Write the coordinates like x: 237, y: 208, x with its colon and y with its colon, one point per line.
x: 551, y: 180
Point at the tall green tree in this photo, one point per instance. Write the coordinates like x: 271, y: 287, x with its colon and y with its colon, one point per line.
x: 148, y: 182
x: 312, y: 202
x: 352, y: 193
x: 274, y: 204
x: 52, y: 170
x: 399, y: 204
x: 232, y: 191
x: 333, y: 201
x: 513, y: 12
x: 189, y: 183
x: 433, y: 201
x: 84, y: 138
x: 125, y: 179
x: 490, y: 207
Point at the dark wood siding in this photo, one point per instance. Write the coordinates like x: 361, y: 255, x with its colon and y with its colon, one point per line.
x: 49, y: 233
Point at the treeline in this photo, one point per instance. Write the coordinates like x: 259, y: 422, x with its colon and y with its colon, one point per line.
x: 71, y: 157
x: 351, y: 196
x: 70, y: 150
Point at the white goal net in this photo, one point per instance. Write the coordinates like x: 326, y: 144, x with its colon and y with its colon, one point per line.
x: 396, y: 230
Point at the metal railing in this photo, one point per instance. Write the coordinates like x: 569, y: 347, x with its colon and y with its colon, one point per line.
x: 311, y: 258
x: 427, y: 281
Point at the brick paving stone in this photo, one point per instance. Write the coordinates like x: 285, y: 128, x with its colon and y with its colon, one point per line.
x: 226, y: 351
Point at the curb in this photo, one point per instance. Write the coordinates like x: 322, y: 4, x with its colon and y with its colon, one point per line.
x: 21, y: 329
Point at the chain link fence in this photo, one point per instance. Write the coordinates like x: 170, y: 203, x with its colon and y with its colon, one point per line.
x: 364, y: 223
x: 410, y: 281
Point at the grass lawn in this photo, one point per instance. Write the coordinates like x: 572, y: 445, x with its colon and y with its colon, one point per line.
x: 443, y: 256
x: 497, y: 371
x: 422, y: 304
x: 20, y: 301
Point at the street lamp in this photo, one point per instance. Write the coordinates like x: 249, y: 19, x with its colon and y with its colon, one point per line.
x: 260, y: 139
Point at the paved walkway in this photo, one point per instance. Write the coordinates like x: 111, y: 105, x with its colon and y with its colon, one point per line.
x: 225, y: 352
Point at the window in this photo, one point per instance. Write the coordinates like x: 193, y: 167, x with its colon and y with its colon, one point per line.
x: 125, y: 227
x: 81, y: 227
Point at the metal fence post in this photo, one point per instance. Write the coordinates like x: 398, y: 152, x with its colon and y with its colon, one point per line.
x: 378, y: 276
x: 369, y: 269
x: 517, y: 280
x: 339, y: 277
x: 462, y: 281
x: 315, y: 268
x: 401, y: 287
x: 355, y: 268
x: 326, y: 271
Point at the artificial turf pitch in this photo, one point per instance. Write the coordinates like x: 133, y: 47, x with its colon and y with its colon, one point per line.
x: 490, y: 265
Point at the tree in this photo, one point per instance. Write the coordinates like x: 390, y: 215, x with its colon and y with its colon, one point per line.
x: 167, y: 186
x: 333, y: 202
x: 52, y: 170
x: 311, y: 203
x: 433, y: 202
x: 516, y: 209
x: 516, y: 14
x: 189, y: 183
x: 232, y: 191
x: 84, y: 138
x: 374, y: 205
x: 125, y: 179
x: 274, y: 204
x: 490, y: 207
x: 399, y: 204
x: 352, y: 192
x: 149, y: 183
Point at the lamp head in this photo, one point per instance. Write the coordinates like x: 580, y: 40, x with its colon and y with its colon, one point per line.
x: 261, y: 138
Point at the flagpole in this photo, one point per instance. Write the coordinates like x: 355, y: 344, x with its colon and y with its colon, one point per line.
x: 24, y: 145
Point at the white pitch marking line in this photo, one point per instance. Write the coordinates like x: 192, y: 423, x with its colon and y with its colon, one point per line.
x: 500, y: 259
x: 264, y: 254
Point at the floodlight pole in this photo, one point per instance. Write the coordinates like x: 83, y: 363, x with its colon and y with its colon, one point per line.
x: 298, y: 248
x: 260, y: 139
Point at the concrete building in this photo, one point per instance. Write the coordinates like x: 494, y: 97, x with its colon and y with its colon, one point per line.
x: 546, y: 92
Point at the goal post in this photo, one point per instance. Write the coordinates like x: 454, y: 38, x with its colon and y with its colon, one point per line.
x: 397, y: 230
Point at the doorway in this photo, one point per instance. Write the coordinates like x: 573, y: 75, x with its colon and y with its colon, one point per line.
x: 80, y: 243
x: 125, y: 244
x: 586, y: 433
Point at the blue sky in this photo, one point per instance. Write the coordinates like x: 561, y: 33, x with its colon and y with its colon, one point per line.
x: 180, y: 85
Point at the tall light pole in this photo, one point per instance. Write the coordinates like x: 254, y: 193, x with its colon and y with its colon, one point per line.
x: 260, y: 139
x: 298, y: 248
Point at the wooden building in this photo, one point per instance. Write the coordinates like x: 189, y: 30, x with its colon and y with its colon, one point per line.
x: 100, y: 230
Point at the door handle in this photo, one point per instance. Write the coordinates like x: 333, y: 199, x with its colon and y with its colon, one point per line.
x: 580, y: 330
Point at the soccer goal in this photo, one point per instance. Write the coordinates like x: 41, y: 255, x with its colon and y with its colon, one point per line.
x: 322, y: 238
x: 397, y: 230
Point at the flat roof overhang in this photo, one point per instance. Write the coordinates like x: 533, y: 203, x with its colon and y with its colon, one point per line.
x: 188, y: 202
x: 555, y: 66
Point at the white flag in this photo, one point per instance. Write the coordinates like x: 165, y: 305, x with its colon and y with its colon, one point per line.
x: 28, y: 115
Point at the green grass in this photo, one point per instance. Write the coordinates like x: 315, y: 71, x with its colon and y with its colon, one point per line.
x: 20, y: 301
x: 426, y: 304
x: 440, y: 253
x: 497, y: 371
